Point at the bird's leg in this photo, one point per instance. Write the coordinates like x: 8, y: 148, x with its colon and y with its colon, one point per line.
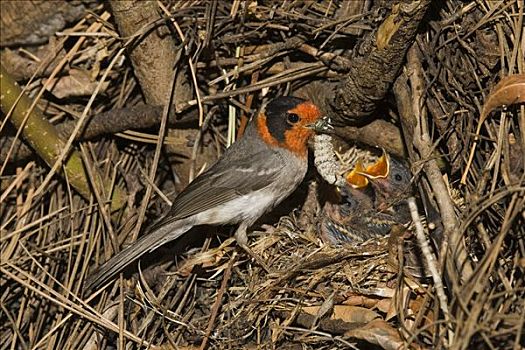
x: 242, y: 240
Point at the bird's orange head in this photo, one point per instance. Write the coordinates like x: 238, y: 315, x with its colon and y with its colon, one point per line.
x: 288, y: 122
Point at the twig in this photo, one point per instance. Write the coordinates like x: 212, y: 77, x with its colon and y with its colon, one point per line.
x: 198, y: 138
x: 218, y: 300
x: 156, y: 158
x: 431, y: 264
x: 82, y: 310
x: 423, y: 143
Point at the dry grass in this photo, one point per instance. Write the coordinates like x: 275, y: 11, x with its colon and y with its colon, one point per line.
x: 315, y: 297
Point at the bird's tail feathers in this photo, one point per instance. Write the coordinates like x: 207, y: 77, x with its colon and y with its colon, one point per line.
x: 159, y: 235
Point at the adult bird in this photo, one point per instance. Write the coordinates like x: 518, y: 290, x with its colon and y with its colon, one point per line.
x: 253, y: 175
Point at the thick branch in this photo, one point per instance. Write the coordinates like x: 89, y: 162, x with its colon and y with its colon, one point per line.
x: 154, y: 54
x: 106, y: 123
x: 378, y: 133
x: 371, y: 76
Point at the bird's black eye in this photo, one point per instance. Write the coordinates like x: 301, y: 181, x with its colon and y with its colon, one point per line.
x: 398, y: 177
x: 293, y: 118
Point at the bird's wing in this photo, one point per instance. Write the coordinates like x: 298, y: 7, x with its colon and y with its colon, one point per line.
x: 225, y: 181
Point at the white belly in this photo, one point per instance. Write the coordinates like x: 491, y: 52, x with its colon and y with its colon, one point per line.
x: 244, y: 208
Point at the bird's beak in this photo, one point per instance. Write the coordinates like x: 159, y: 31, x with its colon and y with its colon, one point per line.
x: 377, y: 173
x: 378, y: 170
x: 322, y: 125
x: 355, y: 178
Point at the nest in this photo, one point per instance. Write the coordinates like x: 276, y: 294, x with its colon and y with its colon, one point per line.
x: 456, y: 99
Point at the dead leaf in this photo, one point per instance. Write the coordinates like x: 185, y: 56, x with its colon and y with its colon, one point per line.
x: 76, y: 83
x: 346, y: 313
x: 400, y: 299
x: 416, y: 306
x: 384, y: 305
x: 377, y: 303
x: 510, y: 90
x: 206, y: 259
x: 342, y: 318
x: 360, y: 300
x: 378, y: 332
x: 326, y: 307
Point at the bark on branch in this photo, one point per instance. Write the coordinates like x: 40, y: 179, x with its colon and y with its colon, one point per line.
x: 371, y: 76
